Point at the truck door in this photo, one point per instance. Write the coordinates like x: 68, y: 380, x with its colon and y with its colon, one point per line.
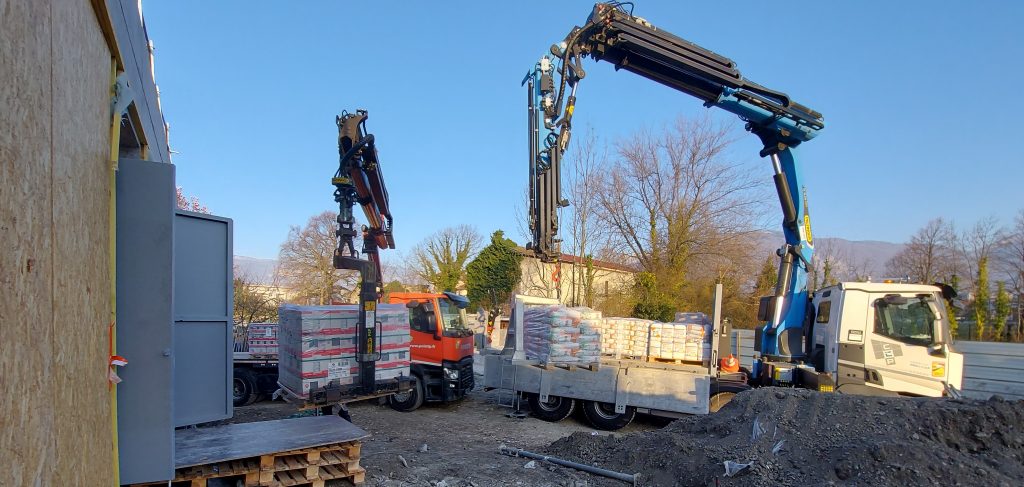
x: 826, y: 331
x: 901, y: 353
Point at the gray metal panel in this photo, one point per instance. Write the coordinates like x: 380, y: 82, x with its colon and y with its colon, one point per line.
x: 145, y: 226
x: 200, y: 446
x: 203, y: 312
x: 133, y: 42
x: 992, y: 368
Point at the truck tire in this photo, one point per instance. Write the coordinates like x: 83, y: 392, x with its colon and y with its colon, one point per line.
x: 408, y: 401
x: 244, y: 386
x: 555, y: 409
x: 602, y: 415
x: 720, y: 400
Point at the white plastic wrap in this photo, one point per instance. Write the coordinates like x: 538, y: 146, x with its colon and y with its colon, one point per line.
x: 686, y: 339
x: 553, y: 334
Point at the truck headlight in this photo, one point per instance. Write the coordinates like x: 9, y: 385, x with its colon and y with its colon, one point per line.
x: 451, y: 374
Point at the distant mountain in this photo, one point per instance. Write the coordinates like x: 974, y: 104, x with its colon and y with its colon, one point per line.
x: 260, y: 271
x: 867, y: 256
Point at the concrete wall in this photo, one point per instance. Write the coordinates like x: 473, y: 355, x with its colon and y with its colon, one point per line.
x: 55, y: 78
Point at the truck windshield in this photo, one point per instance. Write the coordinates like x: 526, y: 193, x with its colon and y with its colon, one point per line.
x: 450, y: 315
x: 910, y: 320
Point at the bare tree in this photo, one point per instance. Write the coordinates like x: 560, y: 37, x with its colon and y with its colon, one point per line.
x: 584, y: 232
x: 674, y: 202
x: 307, y: 262
x: 980, y: 242
x: 441, y: 258
x: 255, y: 301
x: 930, y: 256
x: 189, y: 203
x: 1010, y: 256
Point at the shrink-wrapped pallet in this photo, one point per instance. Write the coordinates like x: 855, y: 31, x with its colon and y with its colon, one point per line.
x: 261, y: 338
x: 318, y: 346
x: 551, y: 335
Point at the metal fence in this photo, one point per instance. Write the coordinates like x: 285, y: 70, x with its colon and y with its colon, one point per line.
x: 989, y: 368
x: 992, y: 368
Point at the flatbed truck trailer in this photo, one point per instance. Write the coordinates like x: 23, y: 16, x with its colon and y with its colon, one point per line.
x: 615, y: 390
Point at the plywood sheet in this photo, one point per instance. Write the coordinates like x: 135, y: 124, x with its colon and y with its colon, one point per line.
x: 199, y: 446
x: 81, y: 283
x: 26, y: 263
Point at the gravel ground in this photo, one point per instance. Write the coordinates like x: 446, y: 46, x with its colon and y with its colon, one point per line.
x: 806, y: 438
x: 462, y: 441
x: 809, y: 438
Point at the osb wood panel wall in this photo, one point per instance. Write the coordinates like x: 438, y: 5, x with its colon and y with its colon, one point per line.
x: 55, y: 426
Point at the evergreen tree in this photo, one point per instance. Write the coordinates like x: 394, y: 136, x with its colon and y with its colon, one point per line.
x: 981, y: 299
x: 651, y: 304
x: 493, y: 275
x: 1002, y: 311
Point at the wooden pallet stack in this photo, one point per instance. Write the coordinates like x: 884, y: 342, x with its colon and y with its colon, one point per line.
x: 307, y: 451
x: 299, y: 468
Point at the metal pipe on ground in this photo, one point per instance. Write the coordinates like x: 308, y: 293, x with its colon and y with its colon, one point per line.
x: 516, y: 452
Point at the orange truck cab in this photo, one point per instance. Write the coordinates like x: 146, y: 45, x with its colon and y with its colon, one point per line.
x: 441, y: 350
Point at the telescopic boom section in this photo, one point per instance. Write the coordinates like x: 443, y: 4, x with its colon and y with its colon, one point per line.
x: 631, y: 43
x: 359, y: 181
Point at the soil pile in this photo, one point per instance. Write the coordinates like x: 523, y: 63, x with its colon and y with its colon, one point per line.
x: 809, y: 438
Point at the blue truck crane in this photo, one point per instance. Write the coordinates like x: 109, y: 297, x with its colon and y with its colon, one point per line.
x: 797, y: 345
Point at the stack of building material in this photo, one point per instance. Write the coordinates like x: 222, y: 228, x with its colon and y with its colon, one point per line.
x: 591, y: 337
x: 698, y: 336
x: 551, y: 335
x: 261, y: 338
x: 686, y: 339
x: 318, y: 346
x: 634, y: 336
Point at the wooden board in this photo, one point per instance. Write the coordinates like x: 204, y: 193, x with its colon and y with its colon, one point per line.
x: 54, y: 97
x: 81, y: 219
x: 26, y: 264
x: 236, y: 441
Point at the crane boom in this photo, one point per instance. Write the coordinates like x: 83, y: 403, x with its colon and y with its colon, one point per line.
x: 613, y: 35
x: 359, y: 180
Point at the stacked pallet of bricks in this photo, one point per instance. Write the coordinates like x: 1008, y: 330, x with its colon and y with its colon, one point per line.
x: 551, y: 336
x: 262, y: 338
x: 307, y: 467
x: 318, y: 346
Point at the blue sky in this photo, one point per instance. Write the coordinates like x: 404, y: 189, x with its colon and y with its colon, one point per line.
x: 920, y: 102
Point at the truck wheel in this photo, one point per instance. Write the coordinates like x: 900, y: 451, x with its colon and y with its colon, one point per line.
x: 410, y: 400
x: 244, y: 386
x: 555, y: 409
x: 720, y: 400
x: 602, y: 415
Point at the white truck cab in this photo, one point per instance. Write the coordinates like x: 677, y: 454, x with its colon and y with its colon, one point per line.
x: 884, y: 338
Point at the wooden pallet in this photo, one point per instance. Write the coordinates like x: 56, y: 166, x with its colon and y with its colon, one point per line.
x: 310, y: 467
x: 674, y: 361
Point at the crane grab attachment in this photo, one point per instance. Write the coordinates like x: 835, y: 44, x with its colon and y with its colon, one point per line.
x: 613, y: 34
x: 359, y: 180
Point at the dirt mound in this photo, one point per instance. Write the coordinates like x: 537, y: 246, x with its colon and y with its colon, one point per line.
x: 822, y: 439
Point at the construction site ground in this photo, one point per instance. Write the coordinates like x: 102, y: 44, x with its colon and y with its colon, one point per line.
x: 802, y: 438
x: 462, y: 442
